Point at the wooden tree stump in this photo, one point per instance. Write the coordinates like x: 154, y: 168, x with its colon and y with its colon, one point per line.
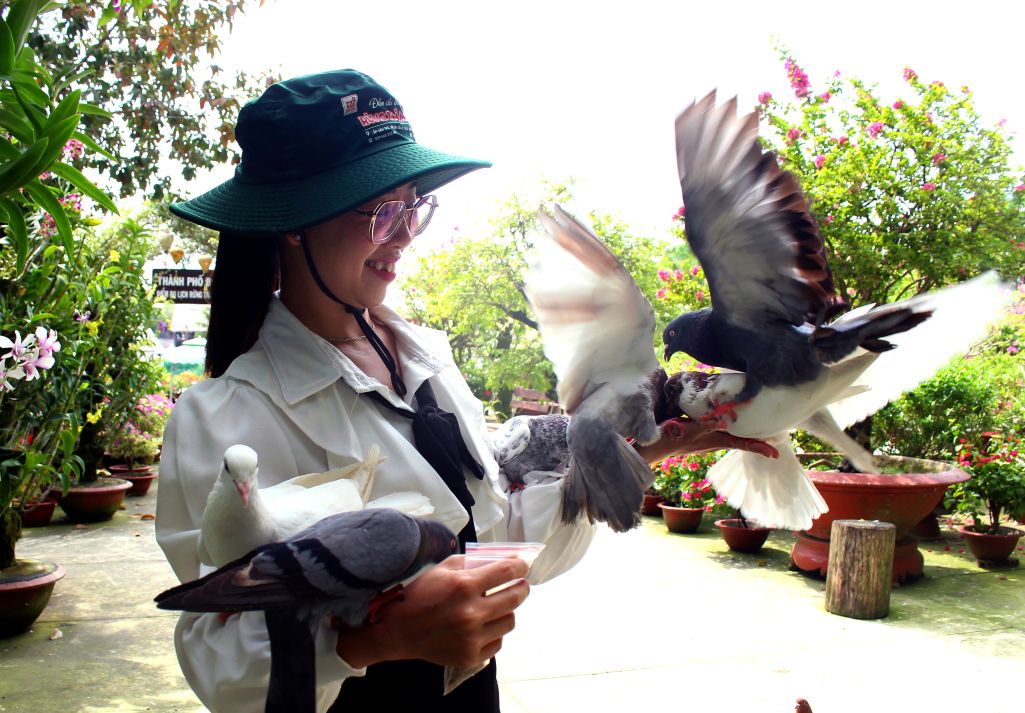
x: 860, y: 570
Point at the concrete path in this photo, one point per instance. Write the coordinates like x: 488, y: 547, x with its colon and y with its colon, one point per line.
x: 649, y: 620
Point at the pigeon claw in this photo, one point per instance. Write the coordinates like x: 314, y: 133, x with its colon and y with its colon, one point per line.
x: 715, y: 416
x: 389, y: 596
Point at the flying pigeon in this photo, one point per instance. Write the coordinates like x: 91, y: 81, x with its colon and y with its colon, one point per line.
x: 239, y: 516
x: 598, y: 330
x: 777, y: 492
x: 771, y: 288
x: 334, y: 568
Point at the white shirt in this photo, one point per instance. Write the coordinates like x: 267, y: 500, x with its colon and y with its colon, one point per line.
x: 298, y: 402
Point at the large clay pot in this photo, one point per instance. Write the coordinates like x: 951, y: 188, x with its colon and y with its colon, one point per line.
x: 681, y: 519
x: 991, y: 548
x: 742, y: 539
x: 96, y: 501
x: 141, y: 477
x: 38, y: 514
x: 902, y: 499
x: 25, y: 590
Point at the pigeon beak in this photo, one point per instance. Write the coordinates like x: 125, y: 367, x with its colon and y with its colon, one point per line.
x: 666, y: 354
x: 243, y: 491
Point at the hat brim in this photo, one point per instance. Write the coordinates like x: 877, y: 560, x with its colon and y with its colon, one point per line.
x: 275, y: 209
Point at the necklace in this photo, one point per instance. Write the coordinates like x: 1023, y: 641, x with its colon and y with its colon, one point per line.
x: 345, y: 340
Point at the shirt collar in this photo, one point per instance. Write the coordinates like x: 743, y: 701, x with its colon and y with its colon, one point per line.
x: 304, y: 363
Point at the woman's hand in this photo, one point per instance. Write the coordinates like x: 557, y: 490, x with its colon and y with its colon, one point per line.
x: 688, y: 436
x: 445, y: 617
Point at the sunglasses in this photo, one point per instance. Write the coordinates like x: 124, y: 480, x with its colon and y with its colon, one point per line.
x: 386, y: 218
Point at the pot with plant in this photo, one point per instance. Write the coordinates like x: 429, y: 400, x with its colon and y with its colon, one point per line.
x: 994, y: 493
x: 136, y: 447
x: 686, y: 492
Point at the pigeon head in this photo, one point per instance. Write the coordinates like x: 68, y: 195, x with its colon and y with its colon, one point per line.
x: 240, y: 470
x: 436, y: 542
x: 680, y: 333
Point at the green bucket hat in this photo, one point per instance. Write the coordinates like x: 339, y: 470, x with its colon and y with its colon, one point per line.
x: 314, y: 147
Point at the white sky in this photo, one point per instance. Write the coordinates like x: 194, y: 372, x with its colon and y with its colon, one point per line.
x: 590, y: 89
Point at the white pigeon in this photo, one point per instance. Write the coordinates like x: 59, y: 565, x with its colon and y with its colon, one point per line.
x: 240, y: 516
x: 777, y: 492
x: 598, y: 330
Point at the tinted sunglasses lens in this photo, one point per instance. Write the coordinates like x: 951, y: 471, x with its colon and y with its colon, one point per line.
x: 422, y: 213
x: 386, y: 220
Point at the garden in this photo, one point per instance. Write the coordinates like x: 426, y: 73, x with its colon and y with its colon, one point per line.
x: 911, y: 193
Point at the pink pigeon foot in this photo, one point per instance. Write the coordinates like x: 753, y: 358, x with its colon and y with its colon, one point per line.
x: 722, y: 409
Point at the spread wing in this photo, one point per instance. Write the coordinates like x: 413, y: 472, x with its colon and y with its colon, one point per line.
x: 748, y: 222
x: 597, y: 325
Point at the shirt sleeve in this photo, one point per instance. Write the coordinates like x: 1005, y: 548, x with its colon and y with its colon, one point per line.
x: 227, y: 664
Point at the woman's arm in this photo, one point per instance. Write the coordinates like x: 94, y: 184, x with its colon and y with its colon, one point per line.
x: 687, y: 436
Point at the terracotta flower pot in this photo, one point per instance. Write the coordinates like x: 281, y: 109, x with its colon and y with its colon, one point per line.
x: 742, y: 539
x: 650, y: 505
x: 681, y: 519
x: 991, y: 548
x: 95, y: 502
x: 25, y: 590
x: 38, y: 514
x: 902, y: 499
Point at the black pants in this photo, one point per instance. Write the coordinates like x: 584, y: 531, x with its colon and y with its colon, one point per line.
x: 391, y: 684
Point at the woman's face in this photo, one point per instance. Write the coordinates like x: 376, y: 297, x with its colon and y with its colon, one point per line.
x: 354, y: 268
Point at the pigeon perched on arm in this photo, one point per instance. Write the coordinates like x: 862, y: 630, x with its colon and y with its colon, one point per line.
x: 527, y: 444
x: 240, y: 516
x: 598, y: 331
x: 334, y: 568
x: 771, y: 287
x: 777, y: 492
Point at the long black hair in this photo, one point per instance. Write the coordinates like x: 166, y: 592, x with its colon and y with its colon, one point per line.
x: 246, y: 275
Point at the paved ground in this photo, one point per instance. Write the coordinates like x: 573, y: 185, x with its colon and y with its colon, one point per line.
x: 645, y: 616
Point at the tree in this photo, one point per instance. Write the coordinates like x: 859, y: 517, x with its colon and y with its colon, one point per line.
x: 472, y: 288
x: 909, y: 195
x: 146, y: 63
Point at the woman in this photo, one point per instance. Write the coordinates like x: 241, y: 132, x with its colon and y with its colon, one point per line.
x: 330, y: 191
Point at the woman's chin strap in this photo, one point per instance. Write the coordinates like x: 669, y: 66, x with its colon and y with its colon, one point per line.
x: 389, y: 362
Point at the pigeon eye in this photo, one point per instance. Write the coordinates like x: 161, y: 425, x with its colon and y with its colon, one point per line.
x: 672, y: 333
x: 226, y: 468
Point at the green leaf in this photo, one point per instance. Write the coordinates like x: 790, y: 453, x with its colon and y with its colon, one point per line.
x: 14, y: 174
x: 76, y: 177
x: 6, y: 48
x: 58, y: 136
x: 17, y: 126
x: 26, y: 84
x: 85, y: 108
x: 91, y: 144
x: 108, y: 14
x: 21, y: 17
x: 68, y: 107
x: 17, y: 231
x: 46, y: 200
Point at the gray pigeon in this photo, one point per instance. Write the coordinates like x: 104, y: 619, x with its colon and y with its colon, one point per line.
x: 334, y: 568
x: 776, y: 491
x: 598, y: 331
x: 527, y: 444
x: 771, y: 288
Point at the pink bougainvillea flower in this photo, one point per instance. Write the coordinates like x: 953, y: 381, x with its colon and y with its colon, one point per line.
x: 874, y: 128
x: 928, y: 186
x: 677, y: 275
x: 699, y: 296
x: 695, y: 270
x: 938, y: 158
x: 661, y: 294
x: 798, y: 79
x: 937, y: 85
x: 663, y: 275
x: 1013, y: 349
x: 764, y: 97
x: 843, y: 140
x: 909, y: 74
x: 820, y: 161
x: 898, y: 104
x: 1020, y: 187
x: 828, y: 219
x: 824, y: 97
x: 793, y: 135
